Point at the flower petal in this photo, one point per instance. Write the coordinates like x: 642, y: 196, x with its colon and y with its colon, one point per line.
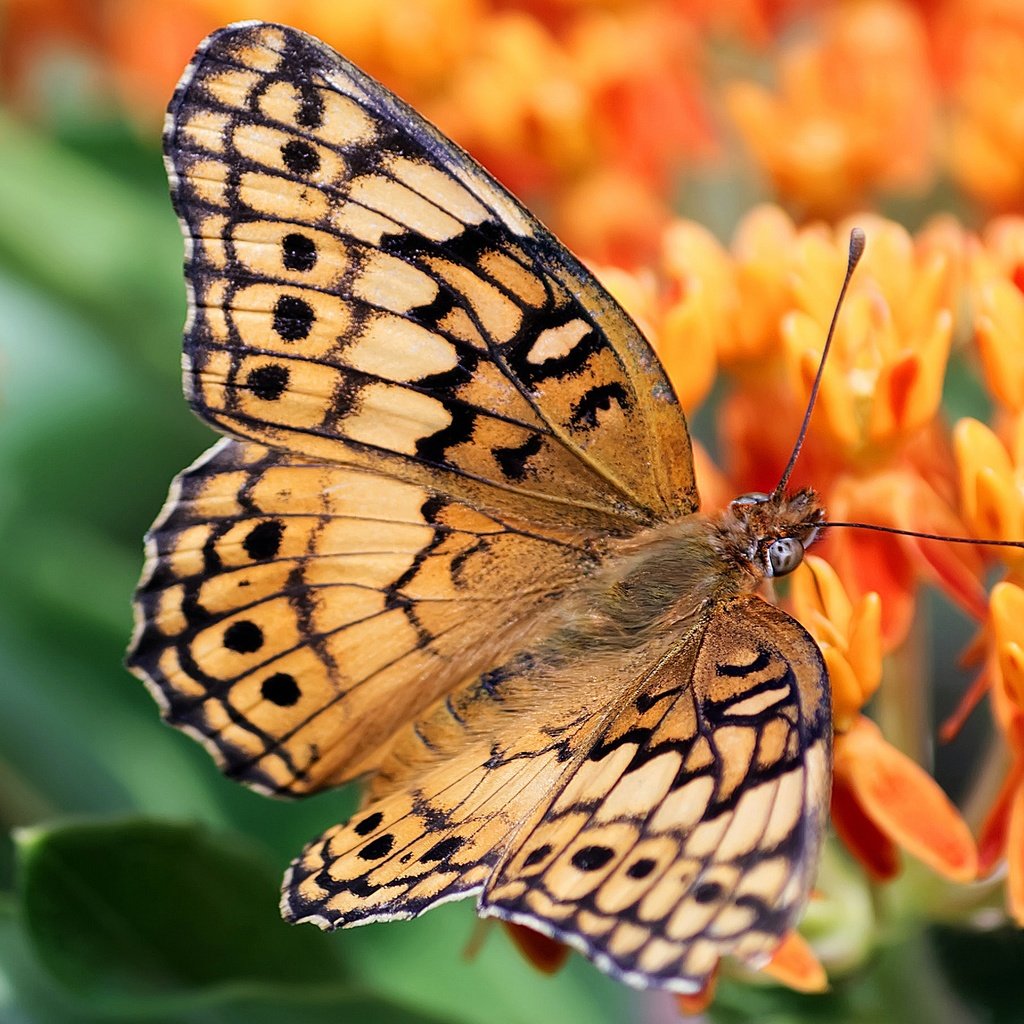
x: 872, y: 847
x: 690, y: 1004
x: 543, y: 952
x: 995, y: 829
x: 794, y: 964
x: 1015, y: 856
x: 905, y: 802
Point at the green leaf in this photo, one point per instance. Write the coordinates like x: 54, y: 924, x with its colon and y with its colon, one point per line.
x: 143, y: 908
x: 29, y: 995
x: 85, y: 236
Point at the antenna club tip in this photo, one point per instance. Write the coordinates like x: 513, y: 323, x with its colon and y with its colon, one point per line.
x: 857, y: 243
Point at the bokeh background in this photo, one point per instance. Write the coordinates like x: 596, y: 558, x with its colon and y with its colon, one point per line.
x: 135, y: 882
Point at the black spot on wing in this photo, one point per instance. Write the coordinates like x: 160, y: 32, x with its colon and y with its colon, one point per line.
x: 535, y: 856
x: 300, y: 157
x: 641, y: 868
x: 434, y: 448
x: 281, y: 689
x: 368, y: 824
x: 759, y: 664
x: 268, y: 382
x: 293, y: 318
x: 513, y: 460
x: 264, y: 540
x: 442, y: 850
x: 380, y: 847
x: 298, y: 252
x: 592, y: 858
x: 243, y: 637
x: 598, y: 399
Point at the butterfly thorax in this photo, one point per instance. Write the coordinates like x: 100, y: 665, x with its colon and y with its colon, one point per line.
x: 661, y: 582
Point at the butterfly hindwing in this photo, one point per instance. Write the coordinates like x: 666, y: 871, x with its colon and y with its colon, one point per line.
x: 295, y: 614
x: 362, y: 291
x: 678, y: 828
x: 449, y: 797
x: 418, y: 846
x: 690, y: 829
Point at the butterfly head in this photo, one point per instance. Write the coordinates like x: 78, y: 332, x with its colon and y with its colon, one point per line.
x: 767, y: 534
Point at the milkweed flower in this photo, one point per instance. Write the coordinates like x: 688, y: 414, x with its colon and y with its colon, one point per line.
x: 882, y: 800
x: 992, y: 483
x: 1002, y: 833
x: 997, y: 277
x: 853, y: 113
x: 986, y: 143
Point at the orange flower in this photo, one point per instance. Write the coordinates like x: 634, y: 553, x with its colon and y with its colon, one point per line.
x: 997, y: 273
x: 546, y: 954
x: 612, y: 217
x: 794, y: 964
x: 1002, y: 834
x: 853, y: 113
x: 883, y: 385
x: 986, y: 142
x: 992, y: 483
x: 885, y: 372
x: 682, y: 329
x: 760, y: 249
x: 849, y: 636
x: 743, y: 292
x: 882, y: 801
x: 905, y: 499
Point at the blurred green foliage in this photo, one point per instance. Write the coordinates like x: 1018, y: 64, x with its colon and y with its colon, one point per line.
x: 135, y: 882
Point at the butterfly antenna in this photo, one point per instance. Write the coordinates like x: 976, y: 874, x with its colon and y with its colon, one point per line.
x: 856, y: 251
x: 878, y: 528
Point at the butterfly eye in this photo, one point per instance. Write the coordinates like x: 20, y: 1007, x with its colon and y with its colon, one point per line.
x: 754, y: 498
x: 784, y: 555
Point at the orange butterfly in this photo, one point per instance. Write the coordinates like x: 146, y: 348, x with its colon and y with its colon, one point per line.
x: 451, y: 543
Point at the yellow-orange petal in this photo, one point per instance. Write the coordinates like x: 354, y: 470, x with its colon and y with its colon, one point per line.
x: 992, y: 502
x: 999, y: 325
x: 760, y: 248
x: 995, y: 829
x: 905, y: 802
x: 864, y: 647
x: 817, y: 585
x: 1011, y: 669
x: 794, y: 964
x: 1015, y: 856
x: 803, y: 336
x: 1006, y: 608
x: 847, y: 694
x: 714, y: 489
x: 861, y: 836
x: 685, y: 343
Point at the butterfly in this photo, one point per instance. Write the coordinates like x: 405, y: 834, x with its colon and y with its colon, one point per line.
x: 450, y: 544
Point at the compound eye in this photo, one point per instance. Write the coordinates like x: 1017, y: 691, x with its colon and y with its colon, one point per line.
x: 784, y: 555
x: 754, y: 498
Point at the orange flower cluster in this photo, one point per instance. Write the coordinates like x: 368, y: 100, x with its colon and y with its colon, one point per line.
x: 592, y: 110
x: 755, y: 315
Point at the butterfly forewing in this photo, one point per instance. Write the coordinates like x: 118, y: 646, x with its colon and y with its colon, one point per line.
x: 296, y: 613
x: 364, y: 292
